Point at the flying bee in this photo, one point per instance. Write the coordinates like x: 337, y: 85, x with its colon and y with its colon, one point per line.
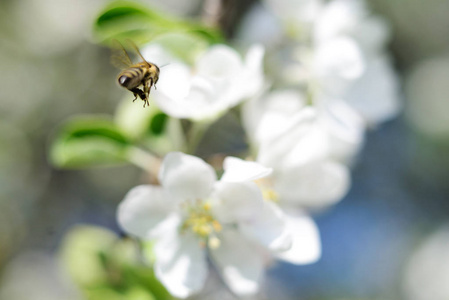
x: 133, y: 76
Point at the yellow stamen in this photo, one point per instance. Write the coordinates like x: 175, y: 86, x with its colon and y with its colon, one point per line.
x: 217, y: 226
x: 206, y: 206
x: 268, y: 192
x: 213, y: 242
x: 201, y: 222
x: 270, y: 195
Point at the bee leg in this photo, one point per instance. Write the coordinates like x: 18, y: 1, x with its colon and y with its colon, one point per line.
x: 147, y: 87
x: 146, y: 92
x: 138, y: 92
x: 152, y: 83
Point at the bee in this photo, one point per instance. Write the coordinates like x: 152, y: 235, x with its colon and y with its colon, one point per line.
x: 133, y: 76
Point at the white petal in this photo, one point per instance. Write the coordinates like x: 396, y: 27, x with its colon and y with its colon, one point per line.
x: 201, y: 97
x: 174, y: 82
x: 234, y: 202
x: 345, y: 129
x: 254, y: 58
x: 274, y: 110
x: 339, y: 18
x: 143, y: 208
x: 337, y: 63
x: 186, y: 176
x: 376, y: 95
x: 240, y: 263
x: 180, y: 263
x: 306, y: 246
x: 219, y: 61
x: 250, y: 80
x: 312, y: 146
x: 351, y: 17
x: 195, y: 99
x: 273, y: 151
x: 157, y: 54
x: 238, y: 170
x: 279, y: 108
x: 268, y: 228
x: 313, y: 185
x: 340, y: 57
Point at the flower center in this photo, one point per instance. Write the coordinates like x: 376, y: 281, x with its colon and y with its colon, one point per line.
x: 200, y: 221
x: 268, y: 192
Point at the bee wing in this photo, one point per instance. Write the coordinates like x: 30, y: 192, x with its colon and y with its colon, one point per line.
x: 120, y: 57
x: 133, y: 45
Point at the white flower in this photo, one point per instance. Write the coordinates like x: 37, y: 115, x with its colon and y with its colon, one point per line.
x: 351, y: 18
x: 335, y: 64
x: 280, y: 121
x: 218, y: 80
x: 350, y: 61
x: 376, y: 94
x: 192, y: 214
x: 346, y: 59
x: 303, y: 145
x: 305, y: 240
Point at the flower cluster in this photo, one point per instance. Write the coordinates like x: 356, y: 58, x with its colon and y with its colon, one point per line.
x: 302, y: 140
x: 314, y: 77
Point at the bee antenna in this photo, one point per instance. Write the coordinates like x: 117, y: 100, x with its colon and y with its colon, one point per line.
x: 164, y: 65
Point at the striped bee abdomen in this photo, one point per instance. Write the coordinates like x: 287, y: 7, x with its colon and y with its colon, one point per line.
x: 131, y: 78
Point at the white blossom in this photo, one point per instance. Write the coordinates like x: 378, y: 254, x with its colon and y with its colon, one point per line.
x: 351, y: 18
x: 340, y: 54
x: 192, y: 215
x: 370, y: 85
x: 218, y: 80
x: 304, y: 146
x: 305, y: 241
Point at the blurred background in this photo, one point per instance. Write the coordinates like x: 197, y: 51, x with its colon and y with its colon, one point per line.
x: 388, y: 239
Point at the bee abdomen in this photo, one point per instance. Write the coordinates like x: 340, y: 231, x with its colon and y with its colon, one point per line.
x: 130, y: 78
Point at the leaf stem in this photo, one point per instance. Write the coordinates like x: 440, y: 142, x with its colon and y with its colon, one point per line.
x: 144, y: 160
x: 196, y: 134
x: 176, y: 135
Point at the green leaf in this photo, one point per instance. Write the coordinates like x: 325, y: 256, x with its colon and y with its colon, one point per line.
x: 87, y: 141
x: 125, y: 19
x: 104, y: 293
x: 158, y: 123
x: 139, y: 293
x: 145, y: 277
